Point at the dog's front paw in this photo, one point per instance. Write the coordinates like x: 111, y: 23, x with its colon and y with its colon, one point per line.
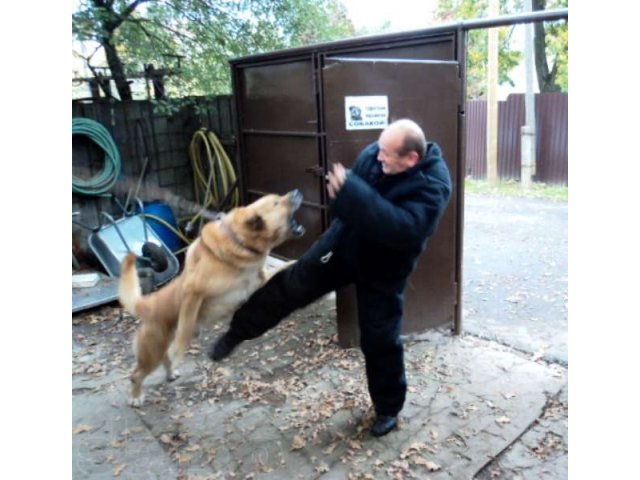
x: 173, y: 375
x: 136, y: 402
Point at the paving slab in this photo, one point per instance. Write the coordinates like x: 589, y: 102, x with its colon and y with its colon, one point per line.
x: 292, y: 404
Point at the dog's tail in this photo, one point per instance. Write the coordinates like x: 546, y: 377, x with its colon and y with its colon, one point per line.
x: 129, y: 289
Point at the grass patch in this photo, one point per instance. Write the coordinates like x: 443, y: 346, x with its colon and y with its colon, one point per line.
x: 512, y: 188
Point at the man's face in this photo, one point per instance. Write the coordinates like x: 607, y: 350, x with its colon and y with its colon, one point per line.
x: 390, y: 143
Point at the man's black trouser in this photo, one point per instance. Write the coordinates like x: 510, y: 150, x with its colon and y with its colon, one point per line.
x: 379, y: 317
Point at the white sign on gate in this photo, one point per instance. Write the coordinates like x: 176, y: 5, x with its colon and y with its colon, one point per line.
x: 366, y: 112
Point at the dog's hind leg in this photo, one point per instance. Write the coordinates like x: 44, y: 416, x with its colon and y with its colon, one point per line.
x: 149, y: 349
x: 136, y: 398
x: 171, y: 373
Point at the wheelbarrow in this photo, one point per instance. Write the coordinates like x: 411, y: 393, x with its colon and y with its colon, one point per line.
x: 111, y: 241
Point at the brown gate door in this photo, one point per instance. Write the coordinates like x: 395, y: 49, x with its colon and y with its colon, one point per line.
x: 427, y: 92
x: 280, y: 141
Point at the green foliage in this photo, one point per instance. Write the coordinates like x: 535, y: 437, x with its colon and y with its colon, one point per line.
x: 557, y: 42
x: 557, y: 35
x: 452, y: 10
x: 206, y: 34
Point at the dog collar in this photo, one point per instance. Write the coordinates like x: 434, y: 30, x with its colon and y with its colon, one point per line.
x: 231, y: 234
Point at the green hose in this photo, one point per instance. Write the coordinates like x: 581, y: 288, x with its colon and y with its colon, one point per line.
x: 107, y: 177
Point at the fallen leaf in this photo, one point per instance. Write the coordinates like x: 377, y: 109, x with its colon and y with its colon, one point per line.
x: 118, y: 470
x: 166, y: 439
x: 82, y: 429
x: 503, y: 420
x: 298, y: 443
x: 322, y: 468
x: 355, y: 444
x: 329, y: 450
x: 183, y: 457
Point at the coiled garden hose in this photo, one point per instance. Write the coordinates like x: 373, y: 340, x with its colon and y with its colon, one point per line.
x: 222, y: 176
x: 107, y: 177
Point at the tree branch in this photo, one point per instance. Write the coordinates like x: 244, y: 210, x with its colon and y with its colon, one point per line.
x: 151, y: 35
x: 140, y: 21
x: 126, y: 13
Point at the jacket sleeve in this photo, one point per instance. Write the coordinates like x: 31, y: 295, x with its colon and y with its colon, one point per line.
x: 406, y: 222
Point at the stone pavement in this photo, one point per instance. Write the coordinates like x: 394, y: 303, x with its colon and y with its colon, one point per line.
x: 293, y: 405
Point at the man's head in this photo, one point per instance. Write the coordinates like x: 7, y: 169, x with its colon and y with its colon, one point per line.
x: 402, y: 145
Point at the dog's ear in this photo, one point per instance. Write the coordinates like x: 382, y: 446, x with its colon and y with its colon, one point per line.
x: 255, y: 223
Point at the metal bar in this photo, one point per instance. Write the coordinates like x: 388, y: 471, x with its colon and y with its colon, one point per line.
x: 393, y: 60
x: 461, y: 38
x: 539, y: 16
x: 322, y: 139
x: 236, y: 98
x: 282, y: 133
x: 533, y: 17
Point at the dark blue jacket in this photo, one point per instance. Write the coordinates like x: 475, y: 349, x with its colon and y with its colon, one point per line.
x: 382, y: 222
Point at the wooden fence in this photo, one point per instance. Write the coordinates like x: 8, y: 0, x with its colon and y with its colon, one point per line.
x: 551, y: 139
x: 139, y: 132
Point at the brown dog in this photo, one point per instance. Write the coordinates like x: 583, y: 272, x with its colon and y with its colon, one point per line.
x: 223, y: 267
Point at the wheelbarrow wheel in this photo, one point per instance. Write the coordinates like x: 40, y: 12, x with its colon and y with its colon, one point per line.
x: 156, y: 256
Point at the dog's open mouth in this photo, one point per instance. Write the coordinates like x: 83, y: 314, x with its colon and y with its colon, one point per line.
x: 296, y: 229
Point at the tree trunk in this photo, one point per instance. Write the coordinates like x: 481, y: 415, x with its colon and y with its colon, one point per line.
x: 546, y: 78
x: 117, y: 69
x: 111, y: 21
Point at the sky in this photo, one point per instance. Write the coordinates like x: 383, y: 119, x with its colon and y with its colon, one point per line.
x: 418, y: 14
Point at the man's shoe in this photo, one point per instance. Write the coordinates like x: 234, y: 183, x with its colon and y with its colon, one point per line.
x: 223, y: 347
x: 384, y: 424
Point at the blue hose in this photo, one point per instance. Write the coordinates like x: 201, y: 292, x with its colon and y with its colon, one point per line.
x: 107, y: 177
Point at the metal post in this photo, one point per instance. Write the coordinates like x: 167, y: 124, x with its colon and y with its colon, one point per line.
x: 492, y: 99
x: 528, y: 130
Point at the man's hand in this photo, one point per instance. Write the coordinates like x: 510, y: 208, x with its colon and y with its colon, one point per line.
x: 335, y: 179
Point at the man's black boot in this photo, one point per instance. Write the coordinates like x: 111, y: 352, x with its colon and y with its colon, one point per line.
x: 384, y: 424
x: 223, y: 347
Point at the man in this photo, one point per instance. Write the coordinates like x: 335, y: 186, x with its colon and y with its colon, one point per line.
x: 384, y: 211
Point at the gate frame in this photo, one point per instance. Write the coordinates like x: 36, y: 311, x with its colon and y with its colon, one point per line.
x: 317, y: 52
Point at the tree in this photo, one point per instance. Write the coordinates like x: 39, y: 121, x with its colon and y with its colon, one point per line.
x: 550, y: 44
x: 551, y: 41
x: 451, y: 10
x: 204, y: 33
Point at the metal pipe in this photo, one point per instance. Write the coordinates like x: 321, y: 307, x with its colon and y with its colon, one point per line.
x: 529, y: 17
x: 490, y: 22
x: 281, y: 133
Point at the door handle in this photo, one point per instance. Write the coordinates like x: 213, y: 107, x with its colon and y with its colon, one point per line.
x: 315, y: 170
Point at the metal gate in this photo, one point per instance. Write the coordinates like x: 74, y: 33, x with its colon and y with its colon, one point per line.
x: 290, y: 114
x: 427, y: 92
x: 291, y: 127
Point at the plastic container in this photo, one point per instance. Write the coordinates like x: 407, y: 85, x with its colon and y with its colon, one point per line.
x: 164, y: 212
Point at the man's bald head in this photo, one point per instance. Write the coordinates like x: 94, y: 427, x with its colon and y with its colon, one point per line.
x: 401, y: 146
x: 413, y: 136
